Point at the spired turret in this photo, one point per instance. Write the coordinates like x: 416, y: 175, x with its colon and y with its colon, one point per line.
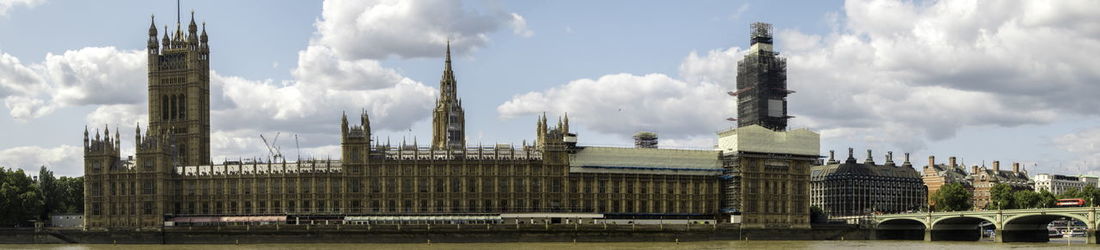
x: 153, y: 47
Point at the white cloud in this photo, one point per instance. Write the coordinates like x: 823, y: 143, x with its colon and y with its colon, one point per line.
x: 383, y: 28
x: 62, y: 160
x: 897, y: 73
x: 92, y: 75
x: 1086, y: 145
x: 519, y: 26
x: 623, y: 104
x: 7, y: 5
x: 907, y: 74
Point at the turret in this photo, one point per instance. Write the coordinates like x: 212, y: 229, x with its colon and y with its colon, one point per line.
x: 166, y: 41
x: 192, y: 29
x: 137, y: 133
x: 153, y: 47
x: 203, y: 38
x: 85, y: 137
x: 565, y: 126
x: 344, y: 124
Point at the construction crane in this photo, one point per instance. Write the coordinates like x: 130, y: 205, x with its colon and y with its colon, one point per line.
x: 272, y: 148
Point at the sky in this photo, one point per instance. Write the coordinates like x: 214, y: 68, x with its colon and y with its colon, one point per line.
x: 1009, y: 81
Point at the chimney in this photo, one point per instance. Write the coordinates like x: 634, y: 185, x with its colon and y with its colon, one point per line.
x: 870, y: 160
x: 1016, y: 167
x: 974, y: 169
x: 996, y: 166
x: 931, y: 161
x: 951, y: 161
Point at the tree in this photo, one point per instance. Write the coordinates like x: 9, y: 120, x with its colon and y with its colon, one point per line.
x: 952, y: 197
x: 1001, y: 197
x: 20, y: 200
x: 71, y: 194
x: 1091, y: 195
x: 1046, y: 199
x: 1025, y: 199
x: 48, y: 190
x: 1070, y: 193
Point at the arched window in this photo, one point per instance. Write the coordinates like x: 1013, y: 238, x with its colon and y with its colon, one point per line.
x: 164, y: 107
x: 183, y: 107
x: 173, y: 107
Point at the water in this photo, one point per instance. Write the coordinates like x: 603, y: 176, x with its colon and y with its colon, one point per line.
x: 785, y: 245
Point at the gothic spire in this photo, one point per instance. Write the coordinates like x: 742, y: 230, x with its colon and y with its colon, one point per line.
x: 447, y: 83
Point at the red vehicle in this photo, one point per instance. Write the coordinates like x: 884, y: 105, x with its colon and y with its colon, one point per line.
x: 1070, y: 203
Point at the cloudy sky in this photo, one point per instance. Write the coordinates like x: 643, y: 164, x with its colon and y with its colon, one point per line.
x: 1015, y: 81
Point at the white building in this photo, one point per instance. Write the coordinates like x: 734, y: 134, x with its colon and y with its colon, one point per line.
x: 1057, y: 184
x: 1090, y: 180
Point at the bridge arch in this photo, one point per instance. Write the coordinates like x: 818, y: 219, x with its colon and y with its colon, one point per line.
x: 1033, y: 227
x: 900, y: 229
x: 960, y: 227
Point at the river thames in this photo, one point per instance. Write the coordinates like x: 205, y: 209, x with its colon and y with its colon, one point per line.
x: 785, y: 245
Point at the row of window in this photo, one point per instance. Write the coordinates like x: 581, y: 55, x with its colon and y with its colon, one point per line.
x: 440, y: 185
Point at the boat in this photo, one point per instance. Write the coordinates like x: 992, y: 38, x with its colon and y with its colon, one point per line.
x: 1051, y: 233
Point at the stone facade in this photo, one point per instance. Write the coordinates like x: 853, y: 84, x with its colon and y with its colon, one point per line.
x: 936, y: 175
x: 1057, y: 184
x: 979, y: 180
x: 171, y: 176
x: 983, y: 179
x: 851, y: 188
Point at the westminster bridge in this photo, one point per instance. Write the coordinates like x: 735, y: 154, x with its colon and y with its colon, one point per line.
x: 1013, y: 225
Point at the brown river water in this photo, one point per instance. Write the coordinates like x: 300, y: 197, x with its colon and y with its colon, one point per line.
x: 784, y: 245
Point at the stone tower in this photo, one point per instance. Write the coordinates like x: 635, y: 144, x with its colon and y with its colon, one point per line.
x: 179, y: 91
x: 448, y: 119
x: 762, y: 83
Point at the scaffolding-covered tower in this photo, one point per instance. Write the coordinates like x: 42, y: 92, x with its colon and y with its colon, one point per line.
x: 645, y: 140
x: 766, y: 168
x: 762, y: 83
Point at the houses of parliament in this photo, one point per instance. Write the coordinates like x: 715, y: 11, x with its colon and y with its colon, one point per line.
x: 171, y: 180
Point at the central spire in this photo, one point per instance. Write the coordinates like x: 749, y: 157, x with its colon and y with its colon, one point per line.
x: 447, y: 83
x: 448, y: 119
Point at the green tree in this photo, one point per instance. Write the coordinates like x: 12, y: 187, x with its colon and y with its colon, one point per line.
x: 952, y: 197
x: 49, y: 192
x: 1001, y: 197
x: 20, y: 201
x: 1091, y: 194
x: 1070, y: 193
x: 1025, y: 199
x: 1046, y: 199
x: 71, y: 194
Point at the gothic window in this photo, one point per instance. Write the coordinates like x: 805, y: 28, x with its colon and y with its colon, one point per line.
x: 164, y: 107
x: 172, y: 109
x: 183, y: 107
x: 148, y: 187
x: 146, y: 207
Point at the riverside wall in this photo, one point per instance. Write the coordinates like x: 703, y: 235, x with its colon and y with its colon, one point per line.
x: 468, y: 233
